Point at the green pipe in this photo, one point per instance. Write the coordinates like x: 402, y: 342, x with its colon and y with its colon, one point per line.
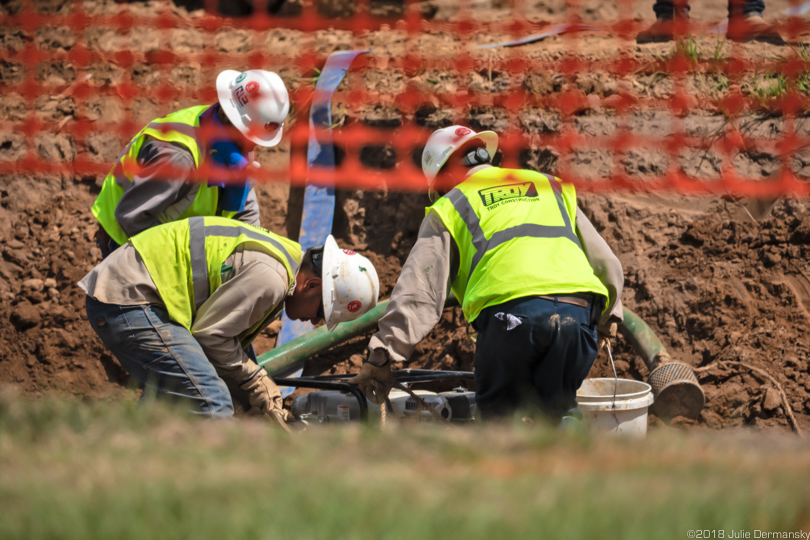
x: 633, y: 328
x: 644, y: 340
x: 318, y: 340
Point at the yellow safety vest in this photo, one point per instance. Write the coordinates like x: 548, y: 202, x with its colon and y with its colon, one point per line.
x: 516, y: 237
x: 185, y: 258
x: 179, y: 127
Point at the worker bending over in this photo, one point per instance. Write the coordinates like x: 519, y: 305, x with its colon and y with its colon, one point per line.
x: 179, y: 303
x: 533, y: 276
x: 194, y: 162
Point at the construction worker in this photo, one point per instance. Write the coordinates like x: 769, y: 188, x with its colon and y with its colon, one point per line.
x: 533, y: 276
x: 194, y: 162
x: 179, y: 303
x: 745, y: 22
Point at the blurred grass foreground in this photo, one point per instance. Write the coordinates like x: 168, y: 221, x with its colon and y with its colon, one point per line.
x: 77, y: 470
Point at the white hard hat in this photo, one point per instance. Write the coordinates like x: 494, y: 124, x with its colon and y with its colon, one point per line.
x: 350, y: 284
x: 256, y: 102
x: 443, y: 142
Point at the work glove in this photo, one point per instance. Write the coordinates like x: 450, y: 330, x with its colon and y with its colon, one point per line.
x: 264, y: 397
x: 606, y: 331
x: 375, y: 381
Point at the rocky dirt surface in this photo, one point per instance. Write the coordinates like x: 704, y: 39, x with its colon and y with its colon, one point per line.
x: 716, y: 278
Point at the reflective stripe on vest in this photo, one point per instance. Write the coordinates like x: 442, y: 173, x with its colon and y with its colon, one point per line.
x: 181, y: 127
x: 198, y: 232
x: 185, y: 258
x: 515, y: 237
x: 184, y: 129
x: 482, y: 244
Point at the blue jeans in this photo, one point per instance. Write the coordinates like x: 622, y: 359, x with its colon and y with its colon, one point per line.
x: 665, y: 9
x: 539, y: 363
x: 161, y: 355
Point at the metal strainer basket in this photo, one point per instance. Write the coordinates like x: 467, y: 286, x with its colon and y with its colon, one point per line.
x: 676, y: 390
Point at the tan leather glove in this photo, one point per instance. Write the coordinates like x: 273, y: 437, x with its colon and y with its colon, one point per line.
x: 375, y: 382
x: 606, y: 332
x: 264, y: 396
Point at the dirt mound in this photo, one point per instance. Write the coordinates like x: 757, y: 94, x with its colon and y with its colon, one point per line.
x: 48, y: 344
x: 717, y: 285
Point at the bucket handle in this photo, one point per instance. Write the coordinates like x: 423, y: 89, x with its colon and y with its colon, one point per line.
x: 615, y: 376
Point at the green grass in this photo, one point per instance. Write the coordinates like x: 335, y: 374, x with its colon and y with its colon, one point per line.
x: 719, y: 52
x: 766, y: 89
x: 803, y: 83
x: 768, y: 86
x: 114, y: 471
x: 689, y: 48
x: 803, y: 52
x: 696, y: 51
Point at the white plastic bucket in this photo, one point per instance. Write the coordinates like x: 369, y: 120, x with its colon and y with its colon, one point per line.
x: 627, y: 417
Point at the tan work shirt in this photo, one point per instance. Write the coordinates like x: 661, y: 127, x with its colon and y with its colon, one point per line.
x: 419, y: 296
x: 255, y: 285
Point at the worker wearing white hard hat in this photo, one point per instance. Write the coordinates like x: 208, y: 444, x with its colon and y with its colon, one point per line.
x: 533, y: 277
x: 350, y: 283
x: 198, y: 291
x: 446, y: 142
x: 256, y: 102
x: 194, y: 162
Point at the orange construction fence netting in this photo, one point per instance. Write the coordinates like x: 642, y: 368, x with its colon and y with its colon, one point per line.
x: 700, y: 115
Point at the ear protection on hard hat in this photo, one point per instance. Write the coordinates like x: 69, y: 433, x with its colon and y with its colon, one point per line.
x: 471, y: 158
x: 444, y: 142
x: 475, y: 157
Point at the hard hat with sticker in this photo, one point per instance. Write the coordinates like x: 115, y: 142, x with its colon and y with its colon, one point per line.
x: 256, y: 102
x: 443, y: 142
x: 350, y: 284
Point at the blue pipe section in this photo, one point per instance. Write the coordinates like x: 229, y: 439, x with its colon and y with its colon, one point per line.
x: 319, y: 198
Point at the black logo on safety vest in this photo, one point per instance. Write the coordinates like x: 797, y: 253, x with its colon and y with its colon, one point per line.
x: 494, y: 195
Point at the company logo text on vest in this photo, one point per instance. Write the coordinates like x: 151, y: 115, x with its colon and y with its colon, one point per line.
x: 497, y: 194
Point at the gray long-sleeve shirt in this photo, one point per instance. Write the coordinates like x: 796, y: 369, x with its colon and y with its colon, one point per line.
x: 253, y: 286
x: 164, y: 187
x: 418, y: 298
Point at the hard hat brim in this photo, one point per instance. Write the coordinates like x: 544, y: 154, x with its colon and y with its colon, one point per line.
x: 330, y: 249
x: 489, y: 138
x: 224, y: 96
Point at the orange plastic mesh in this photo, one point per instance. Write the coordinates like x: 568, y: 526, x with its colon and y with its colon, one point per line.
x: 80, y: 78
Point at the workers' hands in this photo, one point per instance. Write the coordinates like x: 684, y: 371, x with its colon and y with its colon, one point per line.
x: 265, y: 397
x: 606, y: 332
x: 609, y: 329
x: 375, y: 382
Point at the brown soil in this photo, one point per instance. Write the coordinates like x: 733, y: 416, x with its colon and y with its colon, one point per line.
x: 717, y: 279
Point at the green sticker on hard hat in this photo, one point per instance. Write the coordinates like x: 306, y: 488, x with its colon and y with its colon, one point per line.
x: 362, y: 269
x: 241, y: 77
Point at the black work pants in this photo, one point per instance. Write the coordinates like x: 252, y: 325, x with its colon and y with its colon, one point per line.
x: 533, y: 354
